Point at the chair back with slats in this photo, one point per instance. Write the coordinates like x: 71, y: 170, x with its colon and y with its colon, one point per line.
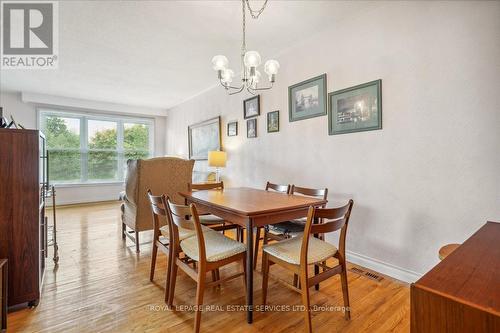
x: 158, y: 208
x: 333, y: 220
x: 310, y: 192
x: 278, y: 187
x: 206, y: 186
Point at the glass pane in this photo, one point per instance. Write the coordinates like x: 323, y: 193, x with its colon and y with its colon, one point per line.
x: 61, y: 132
x: 64, y: 166
x: 135, y: 137
x: 102, y: 134
x: 103, y: 165
x: 136, y: 155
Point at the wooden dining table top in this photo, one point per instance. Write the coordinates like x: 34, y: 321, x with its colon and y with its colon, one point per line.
x: 249, y: 202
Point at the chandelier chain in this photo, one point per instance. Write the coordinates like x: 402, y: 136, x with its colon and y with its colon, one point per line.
x: 243, y: 44
x: 256, y: 13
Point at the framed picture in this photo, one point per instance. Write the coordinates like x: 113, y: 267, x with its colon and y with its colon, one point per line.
x: 307, y: 99
x: 252, y: 128
x: 251, y: 107
x: 273, y: 121
x: 232, y: 128
x: 355, y: 109
x: 204, y: 137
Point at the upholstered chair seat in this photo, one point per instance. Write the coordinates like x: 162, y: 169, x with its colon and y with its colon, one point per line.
x: 183, y: 232
x: 211, y: 219
x: 217, y: 246
x: 289, y: 250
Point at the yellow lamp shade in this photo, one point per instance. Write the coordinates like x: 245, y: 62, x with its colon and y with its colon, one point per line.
x: 217, y: 159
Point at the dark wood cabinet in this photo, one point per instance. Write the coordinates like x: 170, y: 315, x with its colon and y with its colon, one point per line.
x: 22, y: 213
x: 3, y: 295
x: 462, y: 293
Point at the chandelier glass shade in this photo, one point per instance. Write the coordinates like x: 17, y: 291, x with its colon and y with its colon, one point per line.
x: 250, y: 60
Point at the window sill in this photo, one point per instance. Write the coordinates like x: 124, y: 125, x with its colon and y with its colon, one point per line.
x: 63, y: 185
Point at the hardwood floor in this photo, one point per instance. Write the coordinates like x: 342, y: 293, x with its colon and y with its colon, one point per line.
x: 102, y: 285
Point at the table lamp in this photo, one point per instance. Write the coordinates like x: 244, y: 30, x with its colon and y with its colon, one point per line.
x: 217, y: 159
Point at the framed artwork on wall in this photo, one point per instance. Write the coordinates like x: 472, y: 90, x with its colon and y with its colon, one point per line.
x: 307, y: 99
x: 252, y: 128
x: 204, y: 137
x: 251, y: 107
x: 355, y: 109
x: 232, y: 128
x: 273, y: 121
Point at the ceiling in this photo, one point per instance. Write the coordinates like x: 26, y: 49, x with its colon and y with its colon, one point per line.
x: 158, y: 53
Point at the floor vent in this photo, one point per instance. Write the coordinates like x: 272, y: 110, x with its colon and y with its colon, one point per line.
x: 370, y: 275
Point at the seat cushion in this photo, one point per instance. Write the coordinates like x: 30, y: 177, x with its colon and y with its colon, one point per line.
x: 211, y: 219
x: 217, y: 247
x: 288, y: 228
x: 289, y: 250
x: 183, y: 232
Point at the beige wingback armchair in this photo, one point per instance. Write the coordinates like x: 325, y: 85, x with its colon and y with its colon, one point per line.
x: 165, y: 175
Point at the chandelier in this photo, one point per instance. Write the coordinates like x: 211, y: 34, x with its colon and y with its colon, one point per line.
x: 250, y: 61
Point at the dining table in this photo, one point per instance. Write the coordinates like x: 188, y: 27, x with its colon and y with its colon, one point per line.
x: 251, y: 208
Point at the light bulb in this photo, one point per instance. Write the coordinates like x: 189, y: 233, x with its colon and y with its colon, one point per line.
x: 271, y: 67
x: 219, y: 62
x: 227, y: 75
x: 252, y: 59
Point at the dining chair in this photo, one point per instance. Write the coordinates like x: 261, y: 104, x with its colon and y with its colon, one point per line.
x: 209, y: 250
x: 297, y: 253
x: 161, y: 236
x: 292, y: 228
x: 211, y: 220
x: 258, y: 238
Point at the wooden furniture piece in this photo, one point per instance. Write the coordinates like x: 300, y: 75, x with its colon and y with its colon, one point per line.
x: 22, y: 212
x: 251, y: 208
x: 296, y: 254
x: 211, y: 220
x: 161, y: 236
x: 3, y: 295
x: 462, y: 292
x: 288, y: 229
x: 210, y: 251
x: 446, y: 250
x: 269, y: 187
x: 167, y: 175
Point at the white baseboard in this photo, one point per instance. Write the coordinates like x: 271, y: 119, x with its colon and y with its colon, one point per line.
x: 383, y: 267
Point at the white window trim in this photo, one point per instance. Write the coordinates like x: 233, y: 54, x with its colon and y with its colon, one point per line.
x: 84, y: 117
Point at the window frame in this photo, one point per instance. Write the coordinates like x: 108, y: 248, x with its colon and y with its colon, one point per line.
x: 84, y: 117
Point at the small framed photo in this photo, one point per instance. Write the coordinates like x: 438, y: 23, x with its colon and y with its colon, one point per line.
x: 232, y: 128
x: 355, y: 109
x: 251, y: 107
x: 307, y: 99
x: 273, y: 121
x: 252, y: 128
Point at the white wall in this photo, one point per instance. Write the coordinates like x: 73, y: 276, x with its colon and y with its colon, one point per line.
x: 23, y: 107
x: 431, y: 176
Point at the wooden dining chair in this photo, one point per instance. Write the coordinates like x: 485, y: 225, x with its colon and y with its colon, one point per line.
x: 209, y: 250
x: 258, y: 238
x: 297, y: 253
x: 288, y: 229
x: 161, y: 236
x: 211, y: 220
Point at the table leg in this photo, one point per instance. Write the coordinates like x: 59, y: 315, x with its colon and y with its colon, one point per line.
x: 249, y: 272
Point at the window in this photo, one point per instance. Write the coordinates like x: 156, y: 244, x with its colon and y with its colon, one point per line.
x: 87, y: 148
